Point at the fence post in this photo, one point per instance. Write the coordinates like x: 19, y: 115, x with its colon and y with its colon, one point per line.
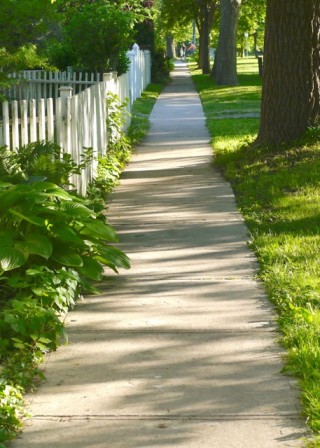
x: 147, y: 56
x: 107, y: 77
x: 130, y: 55
x: 137, y: 71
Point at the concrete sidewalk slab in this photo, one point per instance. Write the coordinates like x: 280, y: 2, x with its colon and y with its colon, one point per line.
x: 181, y: 350
x: 131, y: 432
x: 213, y: 374
x: 180, y: 305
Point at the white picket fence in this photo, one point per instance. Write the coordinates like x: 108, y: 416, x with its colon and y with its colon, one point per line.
x: 37, y: 84
x: 72, y: 121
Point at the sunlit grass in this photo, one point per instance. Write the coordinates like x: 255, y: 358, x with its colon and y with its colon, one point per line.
x: 278, y: 192
x: 141, y: 110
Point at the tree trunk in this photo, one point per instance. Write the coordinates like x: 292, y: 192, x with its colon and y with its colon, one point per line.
x: 207, y: 11
x: 169, y: 46
x: 290, y: 93
x: 224, y: 69
x: 205, y: 41
x: 315, y: 70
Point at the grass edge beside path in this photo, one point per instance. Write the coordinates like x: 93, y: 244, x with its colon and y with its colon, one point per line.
x: 277, y: 190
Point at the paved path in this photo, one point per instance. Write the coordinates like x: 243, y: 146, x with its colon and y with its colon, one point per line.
x: 179, y: 351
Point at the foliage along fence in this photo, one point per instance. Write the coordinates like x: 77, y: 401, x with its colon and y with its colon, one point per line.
x: 72, y: 121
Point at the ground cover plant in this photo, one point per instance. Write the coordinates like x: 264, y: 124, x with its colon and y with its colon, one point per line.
x: 278, y: 192
x: 55, y: 246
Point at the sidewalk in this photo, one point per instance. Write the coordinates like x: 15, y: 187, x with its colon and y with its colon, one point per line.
x: 180, y: 351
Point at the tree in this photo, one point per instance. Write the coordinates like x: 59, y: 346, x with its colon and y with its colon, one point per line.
x: 204, y: 21
x: 105, y: 29
x: 183, y: 12
x: 105, y: 33
x: 224, y: 69
x: 144, y: 30
x: 22, y: 22
x: 291, y: 79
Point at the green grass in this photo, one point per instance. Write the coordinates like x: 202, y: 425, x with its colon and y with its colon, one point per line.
x: 278, y: 192
x: 141, y: 110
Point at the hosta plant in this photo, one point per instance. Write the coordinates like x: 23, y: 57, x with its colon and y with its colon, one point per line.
x: 42, y: 221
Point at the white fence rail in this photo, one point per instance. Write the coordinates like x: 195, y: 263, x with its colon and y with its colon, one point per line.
x: 36, y: 84
x: 73, y: 121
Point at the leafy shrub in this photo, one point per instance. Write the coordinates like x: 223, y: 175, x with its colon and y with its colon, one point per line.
x: 41, y: 160
x: 161, y: 67
x: 42, y: 220
x: 105, y: 32
x: 11, y: 409
x: 119, y: 151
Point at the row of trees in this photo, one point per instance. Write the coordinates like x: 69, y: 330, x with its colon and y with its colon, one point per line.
x: 221, y: 18
x: 291, y: 81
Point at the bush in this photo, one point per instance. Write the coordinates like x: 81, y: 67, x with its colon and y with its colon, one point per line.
x: 105, y: 33
x: 161, y: 67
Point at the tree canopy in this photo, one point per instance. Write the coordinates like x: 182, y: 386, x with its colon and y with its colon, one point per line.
x: 93, y: 34
x: 105, y: 33
x: 23, y: 22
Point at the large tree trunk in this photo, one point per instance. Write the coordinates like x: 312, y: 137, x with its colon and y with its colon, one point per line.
x: 315, y: 70
x: 290, y: 93
x: 207, y: 11
x: 224, y: 69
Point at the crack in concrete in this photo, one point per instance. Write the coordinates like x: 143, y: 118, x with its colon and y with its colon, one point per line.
x: 218, y: 417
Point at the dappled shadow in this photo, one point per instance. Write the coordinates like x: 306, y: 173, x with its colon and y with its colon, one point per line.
x: 179, y: 351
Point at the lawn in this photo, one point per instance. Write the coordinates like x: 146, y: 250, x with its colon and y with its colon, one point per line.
x: 278, y: 192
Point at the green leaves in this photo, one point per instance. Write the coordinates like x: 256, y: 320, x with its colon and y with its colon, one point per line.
x: 41, y: 219
x: 63, y: 256
x: 76, y: 210
x: 91, y: 268
x: 98, y: 229
x: 113, y: 257
x: 12, y: 255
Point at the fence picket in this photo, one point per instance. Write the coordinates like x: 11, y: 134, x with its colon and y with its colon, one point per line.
x: 15, y: 125
x: 24, y: 122
x: 50, y: 120
x: 6, y: 126
x: 33, y: 121
x: 42, y: 120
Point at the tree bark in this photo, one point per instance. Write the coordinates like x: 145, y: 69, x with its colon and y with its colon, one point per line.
x: 224, y: 69
x: 290, y: 93
x: 204, y: 41
x: 315, y: 69
x: 207, y: 9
